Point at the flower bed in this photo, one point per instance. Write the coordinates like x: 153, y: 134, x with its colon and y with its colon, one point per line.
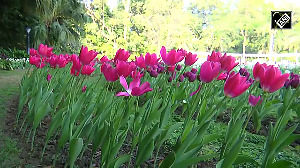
x: 105, y: 105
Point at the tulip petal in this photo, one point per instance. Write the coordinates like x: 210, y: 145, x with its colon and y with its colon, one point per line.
x: 123, y: 82
x: 122, y: 94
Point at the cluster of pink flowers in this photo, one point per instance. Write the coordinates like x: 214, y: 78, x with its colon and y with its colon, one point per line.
x: 217, y: 67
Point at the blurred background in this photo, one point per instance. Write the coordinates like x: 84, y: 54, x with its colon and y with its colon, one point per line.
x: 239, y: 27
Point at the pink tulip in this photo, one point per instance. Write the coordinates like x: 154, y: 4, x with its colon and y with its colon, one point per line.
x: 235, y: 85
x: 49, y: 77
x: 171, y: 68
x: 125, y: 68
x: 45, y: 51
x: 136, y: 74
x: 87, y: 70
x: 33, y: 52
x: 109, y: 72
x: 53, y: 61
x: 140, y: 62
x: 134, y: 89
x: 272, y: 79
x: 294, y: 82
x: 222, y: 76
x: 75, y: 69
x: 62, y: 61
x: 228, y: 63
x: 172, y: 57
x: 254, y: 100
x: 37, y: 61
x: 194, y: 70
x: 209, y: 71
x: 190, y: 59
x: 121, y: 55
x: 86, y: 56
x: 104, y: 59
x: 84, y: 88
x: 192, y: 77
x: 259, y: 70
x: 153, y: 73
x: 151, y: 59
x: 214, y: 57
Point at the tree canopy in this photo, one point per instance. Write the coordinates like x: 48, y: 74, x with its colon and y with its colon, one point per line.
x: 141, y: 26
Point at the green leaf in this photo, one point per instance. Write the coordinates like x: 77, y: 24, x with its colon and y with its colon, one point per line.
x: 65, y: 135
x: 233, y: 153
x: 76, y: 145
x: 209, y: 138
x: 168, y: 161
x: 120, y: 160
x: 194, y: 160
x: 244, y: 159
x: 281, y: 164
x: 40, y: 114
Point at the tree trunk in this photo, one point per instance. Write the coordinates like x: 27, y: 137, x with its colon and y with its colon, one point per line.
x: 244, y: 33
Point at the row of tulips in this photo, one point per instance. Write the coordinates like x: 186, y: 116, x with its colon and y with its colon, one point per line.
x: 91, y: 106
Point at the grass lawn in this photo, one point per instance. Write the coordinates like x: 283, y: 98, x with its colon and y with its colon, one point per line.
x: 9, y: 88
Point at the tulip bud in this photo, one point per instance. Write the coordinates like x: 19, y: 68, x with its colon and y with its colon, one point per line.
x: 295, y: 81
x: 170, y: 79
x: 192, y: 77
x: 153, y: 73
x: 178, y: 67
x: 84, y: 88
x: 194, y: 70
x: 49, y: 77
x: 181, y: 78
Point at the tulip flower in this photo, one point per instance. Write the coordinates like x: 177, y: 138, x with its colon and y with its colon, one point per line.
x: 187, y: 74
x: 86, y: 56
x: 209, y: 71
x: 181, y: 78
x: 45, y: 51
x: 84, y: 88
x: 151, y: 59
x: 244, y: 72
x: 183, y: 51
x: 49, y: 77
x: 62, y: 61
x: 294, y: 80
x: 214, y: 57
x: 259, y: 70
x: 37, y: 61
x: 53, y: 61
x: 121, y: 55
x: 192, y: 77
x: 194, y: 70
x: 235, y: 85
x: 190, y: 59
x: 228, y: 63
x: 272, y: 79
x: 140, y: 62
x: 222, y: 76
x: 254, y: 100
x: 125, y: 68
x: 153, y: 73
x: 87, y: 70
x: 171, y: 68
x: 178, y: 67
x: 76, y: 67
x: 109, y: 72
x: 172, y: 57
x: 104, y: 59
x: 134, y: 89
x: 33, y: 52
x: 136, y: 74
